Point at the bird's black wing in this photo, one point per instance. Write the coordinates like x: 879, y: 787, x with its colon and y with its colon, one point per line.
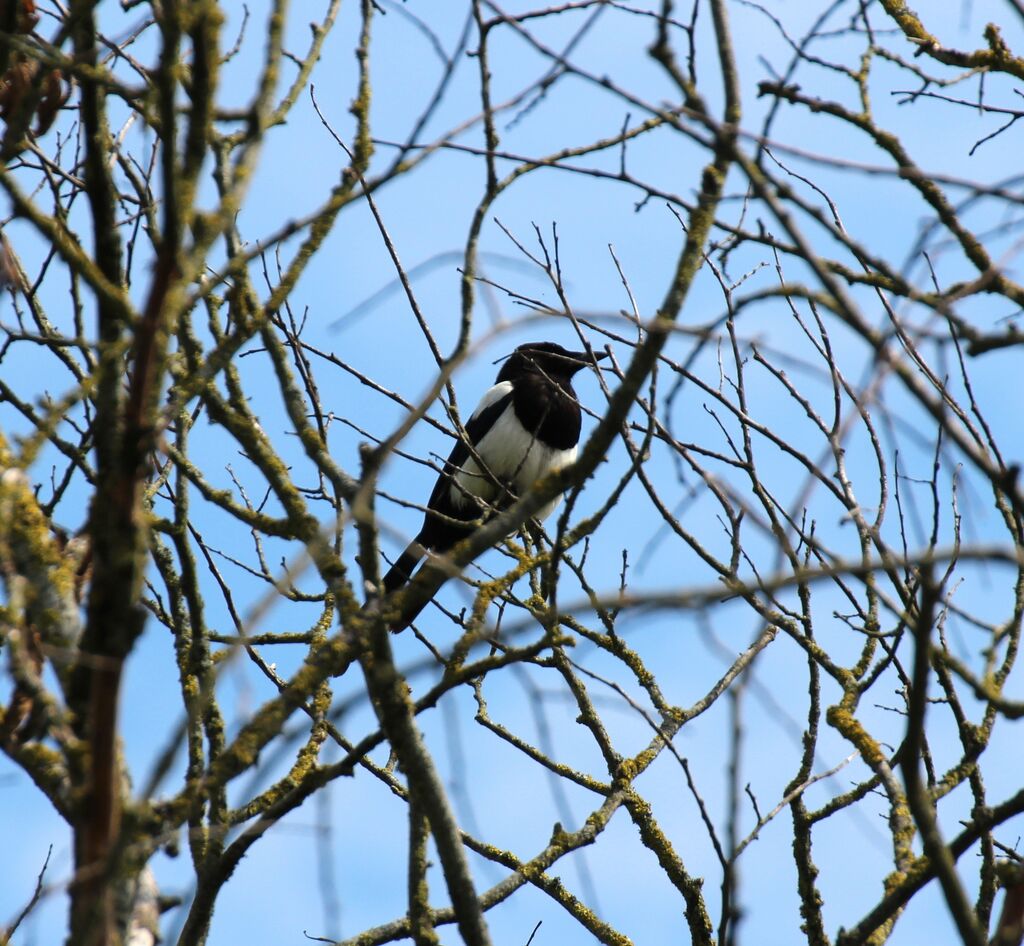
x: 437, y: 534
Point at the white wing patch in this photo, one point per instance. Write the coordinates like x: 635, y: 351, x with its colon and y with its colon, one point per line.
x: 491, y: 395
x: 511, y: 455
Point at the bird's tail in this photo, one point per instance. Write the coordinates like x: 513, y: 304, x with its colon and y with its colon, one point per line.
x: 401, y: 571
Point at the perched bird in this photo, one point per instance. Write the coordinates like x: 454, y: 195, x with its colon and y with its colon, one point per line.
x: 524, y: 427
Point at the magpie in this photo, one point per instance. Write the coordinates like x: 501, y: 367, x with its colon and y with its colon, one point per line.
x: 526, y: 426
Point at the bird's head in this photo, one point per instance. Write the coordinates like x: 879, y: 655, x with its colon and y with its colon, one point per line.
x: 549, y: 359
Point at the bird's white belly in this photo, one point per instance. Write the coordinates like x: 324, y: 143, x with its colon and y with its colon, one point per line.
x: 512, y: 456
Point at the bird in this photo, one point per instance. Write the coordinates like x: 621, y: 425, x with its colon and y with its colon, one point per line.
x: 526, y: 426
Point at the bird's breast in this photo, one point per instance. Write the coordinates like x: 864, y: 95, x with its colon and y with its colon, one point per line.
x: 513, y: 456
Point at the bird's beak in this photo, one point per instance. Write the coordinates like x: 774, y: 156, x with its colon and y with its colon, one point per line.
x: 585, y: 359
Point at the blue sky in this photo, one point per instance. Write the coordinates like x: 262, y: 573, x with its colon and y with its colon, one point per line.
x: 275, y: 895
